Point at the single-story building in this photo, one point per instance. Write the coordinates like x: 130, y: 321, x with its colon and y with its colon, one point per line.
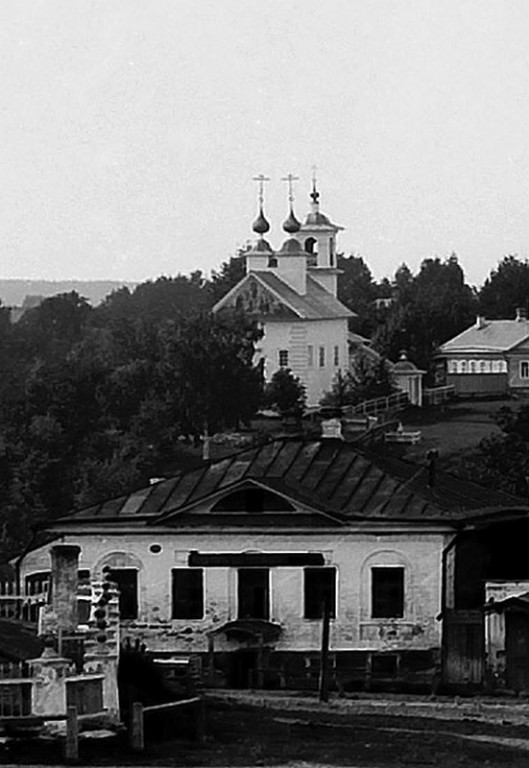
x: 489, y: 358
x: 233, y: 563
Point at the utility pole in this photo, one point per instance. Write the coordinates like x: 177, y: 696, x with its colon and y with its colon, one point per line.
x: 324, y: 657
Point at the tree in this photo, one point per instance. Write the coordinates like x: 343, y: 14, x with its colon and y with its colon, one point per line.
x: 368, y: 378
x: 505, y: 290
x: 286, y: 393
x: 358, y: 291
x: 429, y: 309
x: 229, y: 274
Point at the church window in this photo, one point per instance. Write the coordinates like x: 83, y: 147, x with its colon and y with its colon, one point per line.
x: 524, y: 369
x: 472, y: 366
x: 188, y: 593
x: 319, y: 587
x: 310, y: 355
x: 463, y: 366
x: 321, y: 357
x: 331, y: 251
x: 283, y: 358
x: 387, y: 592
x: 336, y: 355
x: 310, y: 245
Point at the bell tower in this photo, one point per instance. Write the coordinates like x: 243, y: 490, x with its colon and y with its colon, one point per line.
x: 318, y: 238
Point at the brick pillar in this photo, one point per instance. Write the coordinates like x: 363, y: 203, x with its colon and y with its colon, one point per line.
x: 64, y: 584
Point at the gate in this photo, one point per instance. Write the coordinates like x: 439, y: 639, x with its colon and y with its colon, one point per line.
x: 463, y: 647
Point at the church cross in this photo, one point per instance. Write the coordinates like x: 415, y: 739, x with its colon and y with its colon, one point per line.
x: 262, y: 181
x: 290, y: 178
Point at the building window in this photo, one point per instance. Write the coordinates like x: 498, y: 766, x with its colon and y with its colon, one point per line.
x: 387, y: 592
x: 188, y: 593
x: 524, y: 369
x: 253, y: 592
x: 463, y: 366
x: 127, y: 581
x: 336, y: 355
x: 472, y: 366
x: 310, y: 355
x: 321, y: 357
x: 320, y: 586
x: 482, y: 366
x: 331, y: 251
x: 283, y: 358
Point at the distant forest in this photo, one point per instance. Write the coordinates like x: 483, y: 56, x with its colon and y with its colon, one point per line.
x: 13, y: 292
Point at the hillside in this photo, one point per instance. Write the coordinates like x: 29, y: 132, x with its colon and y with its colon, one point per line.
x: 13, y: 292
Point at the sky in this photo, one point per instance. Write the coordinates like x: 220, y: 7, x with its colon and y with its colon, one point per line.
x: 130, y: 131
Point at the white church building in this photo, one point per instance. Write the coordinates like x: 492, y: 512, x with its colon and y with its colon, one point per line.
x: 293, y: 294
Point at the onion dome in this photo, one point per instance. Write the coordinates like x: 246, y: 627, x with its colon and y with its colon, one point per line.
x: 291, y: 247
x: 315, y: 218
x: 291, y: 224
x: 259, y: 247
x: 260, y: 225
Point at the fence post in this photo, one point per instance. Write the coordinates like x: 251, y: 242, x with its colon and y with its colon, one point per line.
x: 136, y: 737
x: 71, y: 746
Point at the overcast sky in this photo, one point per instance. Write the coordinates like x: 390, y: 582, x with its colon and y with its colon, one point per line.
x: 130, y: 130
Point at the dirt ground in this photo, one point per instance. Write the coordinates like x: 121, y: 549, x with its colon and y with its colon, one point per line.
x: 277, y: 732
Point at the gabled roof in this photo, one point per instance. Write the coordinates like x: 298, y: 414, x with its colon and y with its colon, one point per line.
x: 343, y: 481
x: 489, y: 336
x: 315, y: 304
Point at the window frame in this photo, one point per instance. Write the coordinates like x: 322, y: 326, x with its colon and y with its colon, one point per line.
x: 375, y: 611
x: 283, y: 358
x: 188, y: 569
x: 524, y: 365
x: 321, y: 356
x: 317, y: 614
x: 336, y: 353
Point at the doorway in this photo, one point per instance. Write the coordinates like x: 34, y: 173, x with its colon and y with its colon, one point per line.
x: 517, y: 650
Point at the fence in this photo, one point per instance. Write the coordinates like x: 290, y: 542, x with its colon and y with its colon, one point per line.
x: 438, y: 395
x: 23, y: 604
x: 379, y: 404
x: 196, y: 706
x: 15, y: 690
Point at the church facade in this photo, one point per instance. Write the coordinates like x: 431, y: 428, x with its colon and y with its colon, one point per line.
x: 293, y: 294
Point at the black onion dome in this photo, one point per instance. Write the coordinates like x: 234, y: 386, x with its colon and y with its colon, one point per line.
x: 261, y: 246
x: 260, y: 225
x: 291, y: 247
x: 291, y: 224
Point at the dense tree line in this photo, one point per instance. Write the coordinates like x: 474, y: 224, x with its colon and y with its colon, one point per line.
x: 94, y: 401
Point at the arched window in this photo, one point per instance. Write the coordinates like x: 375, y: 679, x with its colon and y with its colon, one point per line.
x: 311, y: 245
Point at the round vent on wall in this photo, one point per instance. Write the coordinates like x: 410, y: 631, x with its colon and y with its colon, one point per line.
x: 155, y: 549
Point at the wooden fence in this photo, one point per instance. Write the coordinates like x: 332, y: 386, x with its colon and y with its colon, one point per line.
x: 196, y: 706
x: 23, y: 604
x: 378, y: 405
x: 15, y: 690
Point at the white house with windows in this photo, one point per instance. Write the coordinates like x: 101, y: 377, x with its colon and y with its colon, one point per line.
x: 233, y: 562
x: 293, y: 294
x: 489, y: 358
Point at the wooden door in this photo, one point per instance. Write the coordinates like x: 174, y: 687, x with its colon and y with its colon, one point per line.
x: 463, y: 647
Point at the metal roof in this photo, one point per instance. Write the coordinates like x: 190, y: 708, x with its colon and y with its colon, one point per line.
x: 335, y: 482
x: 489, y: 336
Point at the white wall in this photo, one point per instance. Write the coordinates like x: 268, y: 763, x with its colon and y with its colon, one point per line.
x: 353, y: 554
x: 296, y: 336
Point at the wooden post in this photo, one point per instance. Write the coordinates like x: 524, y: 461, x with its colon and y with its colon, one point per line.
x: 201, y: 721
x: 71, y: 745
x: 260, y: 657
x: 211, y: 659
x: 324, y: 657
x: 136, y: 738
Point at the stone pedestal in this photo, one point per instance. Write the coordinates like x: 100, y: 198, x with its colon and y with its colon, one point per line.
x: 50, y: 672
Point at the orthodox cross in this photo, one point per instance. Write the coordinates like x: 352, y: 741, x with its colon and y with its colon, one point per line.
x: 290, y: 178
x: 262, y: 181
x: 315, y: 194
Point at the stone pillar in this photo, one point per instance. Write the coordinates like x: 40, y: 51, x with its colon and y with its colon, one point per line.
x: 50, y: 672
x: 103, y: 641
x: 64, y: 584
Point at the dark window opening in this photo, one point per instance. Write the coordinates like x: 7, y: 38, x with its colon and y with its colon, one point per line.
x: 387, y: 593
x: 311, y: 245
x: 320, y: 587
x: 252, y: 500
x: 188, y: 593
x: 127, y: 582
x: 253, y: 593
x: 283, y: 358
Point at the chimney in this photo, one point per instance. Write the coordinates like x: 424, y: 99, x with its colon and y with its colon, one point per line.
x: 521, y: 314
x: 64, y: 583
x: 480, y: 322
